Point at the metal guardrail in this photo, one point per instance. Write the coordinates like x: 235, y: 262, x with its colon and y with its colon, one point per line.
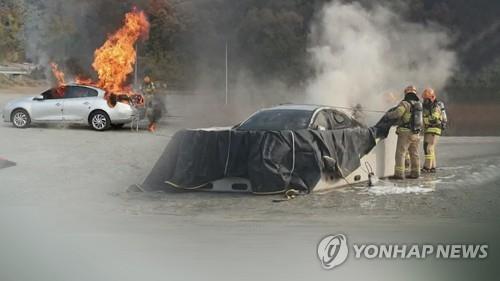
x: 16, y: 69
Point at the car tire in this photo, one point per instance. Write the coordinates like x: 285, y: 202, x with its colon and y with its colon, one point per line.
x: 117, y: 126
x: 20, y: 119
x: 99, y: 120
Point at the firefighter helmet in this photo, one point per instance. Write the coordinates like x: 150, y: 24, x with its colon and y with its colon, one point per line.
x: 429, y: 94
x: 411, y: 90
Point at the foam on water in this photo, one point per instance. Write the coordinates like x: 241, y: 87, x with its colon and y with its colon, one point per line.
x: 387, y: 190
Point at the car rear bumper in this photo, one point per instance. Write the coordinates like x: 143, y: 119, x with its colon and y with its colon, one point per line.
x: 122, y: 113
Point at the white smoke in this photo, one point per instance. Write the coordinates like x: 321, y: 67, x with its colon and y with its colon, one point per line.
x: 361, y: 54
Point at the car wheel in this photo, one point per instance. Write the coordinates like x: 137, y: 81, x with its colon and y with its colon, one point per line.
x: 20, y: 118
x: 99, y: 121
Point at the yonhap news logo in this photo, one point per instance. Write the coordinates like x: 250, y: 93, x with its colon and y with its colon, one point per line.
x: 333, y: 251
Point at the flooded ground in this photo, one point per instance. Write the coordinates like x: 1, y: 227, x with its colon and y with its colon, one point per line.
x: 65, y: 214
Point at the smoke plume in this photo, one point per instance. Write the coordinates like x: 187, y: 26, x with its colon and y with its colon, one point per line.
x: 366, y: 55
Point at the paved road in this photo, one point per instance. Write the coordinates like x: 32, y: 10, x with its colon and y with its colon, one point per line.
x: 65, y: 215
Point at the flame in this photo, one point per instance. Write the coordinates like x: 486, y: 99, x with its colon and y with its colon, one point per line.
x: 84, y: 81
x: 59, y: 92
x: 116, y: 58
x: 58, y: 74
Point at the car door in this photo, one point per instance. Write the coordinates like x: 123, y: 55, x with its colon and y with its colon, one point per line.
x: 50, y: 107
x: 78, y: 103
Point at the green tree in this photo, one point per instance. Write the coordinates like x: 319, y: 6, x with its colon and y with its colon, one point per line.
x: 164, y: 56
x: 11, y: 27
x: 273, y: 42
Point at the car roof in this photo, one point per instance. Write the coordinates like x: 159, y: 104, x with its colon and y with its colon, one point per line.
x: 86, y: 86
x: 302, y: 107
x: 305, y: 107
x: 314, y: 109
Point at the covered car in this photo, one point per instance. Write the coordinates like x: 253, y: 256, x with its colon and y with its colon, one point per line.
x: 302, y: 147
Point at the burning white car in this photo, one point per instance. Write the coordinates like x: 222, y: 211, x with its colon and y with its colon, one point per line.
x: 74, y: 104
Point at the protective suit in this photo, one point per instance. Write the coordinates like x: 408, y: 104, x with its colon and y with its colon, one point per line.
x: 408, y: 136
x: 433, y: 122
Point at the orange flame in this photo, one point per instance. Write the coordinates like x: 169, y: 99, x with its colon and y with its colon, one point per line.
x: 58, y: 74
x: 115, y: 60
x: 84, y: 81
x: 60, y: 80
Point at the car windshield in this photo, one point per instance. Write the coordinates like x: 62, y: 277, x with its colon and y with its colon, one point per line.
x: 282, y: 119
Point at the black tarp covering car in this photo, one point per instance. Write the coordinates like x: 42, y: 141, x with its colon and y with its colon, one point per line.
x: 273, y: 161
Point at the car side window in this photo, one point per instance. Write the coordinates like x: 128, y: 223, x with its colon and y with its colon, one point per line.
x: 322, y: 121
x: 340, y: 120
x: 89, y: 93
x: 75, y: 92
x: 47, y: 95
x: 80, y: 92
x: 54, y: 93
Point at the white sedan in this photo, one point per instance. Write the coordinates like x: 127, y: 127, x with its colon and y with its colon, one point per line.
x: 75, y: 104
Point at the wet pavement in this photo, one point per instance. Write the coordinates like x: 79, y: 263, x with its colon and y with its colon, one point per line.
x: 468, y: 189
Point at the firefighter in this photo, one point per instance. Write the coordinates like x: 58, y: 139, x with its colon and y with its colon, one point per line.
x: 409, y: 116
x: 433, y: 126
x: 153, y: 111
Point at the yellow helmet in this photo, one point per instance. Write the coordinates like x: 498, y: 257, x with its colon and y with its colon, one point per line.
x: 429, y: 94
x: 411, y: 90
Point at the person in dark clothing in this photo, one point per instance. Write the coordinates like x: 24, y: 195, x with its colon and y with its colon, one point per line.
x: 154, y: 104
